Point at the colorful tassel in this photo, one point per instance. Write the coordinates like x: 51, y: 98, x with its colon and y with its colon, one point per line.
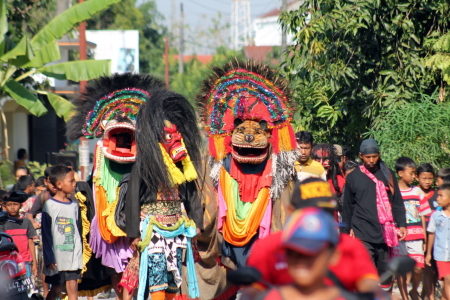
x: 284, y: 139
x: 175, y: 174
x: 188, y: 167
x: 219, y: 145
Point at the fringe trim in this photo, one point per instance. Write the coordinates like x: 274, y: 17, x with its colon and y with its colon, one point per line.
x: 215, y: 167
x: 109, y: 213
x: 283, y: 171
x: 87, y: 251
x: 175, y: 175
x: 188, y: 167
x: 232, y: 290
x: 93, y: 293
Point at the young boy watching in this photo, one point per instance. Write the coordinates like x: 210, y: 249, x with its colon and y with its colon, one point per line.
x: 439, y: 238
x: 61, y: 239
x: 425, y: 176
x: 441, y: 174
x: 416, y: 208
x: 22, y: 233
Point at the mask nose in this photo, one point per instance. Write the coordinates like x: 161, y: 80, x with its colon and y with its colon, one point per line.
x: 249, y: 138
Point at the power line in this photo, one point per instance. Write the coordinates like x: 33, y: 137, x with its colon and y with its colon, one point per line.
x: 212, y: 9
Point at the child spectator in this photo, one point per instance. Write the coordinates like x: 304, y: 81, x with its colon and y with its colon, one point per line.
x: 61, y: 237
x: 425, y: 176
x: 439, y: 238
x: 310, y: 239
x: 22, y: 232
x: 26, y: 184
x: 441, y: 174
x: 416, y: 208
x: 40, y: 186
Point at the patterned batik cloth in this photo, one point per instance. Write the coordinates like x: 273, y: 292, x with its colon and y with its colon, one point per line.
x: 159, y: 278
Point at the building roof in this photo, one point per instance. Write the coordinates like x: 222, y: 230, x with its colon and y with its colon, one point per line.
x: 276, y: 11
x: 204, y: 59
x: 259, y: 53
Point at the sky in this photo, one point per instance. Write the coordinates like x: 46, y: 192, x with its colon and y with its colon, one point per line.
x: 198, y: 13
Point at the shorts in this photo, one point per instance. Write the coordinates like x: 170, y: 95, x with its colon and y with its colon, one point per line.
x: 63, y: 276
x: 413, y: 249
x: 443, y: 269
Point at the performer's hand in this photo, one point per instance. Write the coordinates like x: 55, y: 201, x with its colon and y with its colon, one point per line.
x: 134, y: 243
x: 352, y: 234
x: 199, y: 231
x: 34, y: 270
x: 428, y: 259
x: 402, y: 233
x: 52, y: 266
x: 36, y: 225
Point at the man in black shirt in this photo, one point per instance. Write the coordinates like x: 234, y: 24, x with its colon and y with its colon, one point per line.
x: 361, y: 213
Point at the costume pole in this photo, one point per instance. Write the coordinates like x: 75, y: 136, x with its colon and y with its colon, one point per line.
x: 84, y: 145
x: 167, y: 61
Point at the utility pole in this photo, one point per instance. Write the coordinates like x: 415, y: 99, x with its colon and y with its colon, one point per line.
x: 240, y: 23
x: 181, y: 41
x: 83, y: 147
x: 166, y: 61
x: 283, y: 34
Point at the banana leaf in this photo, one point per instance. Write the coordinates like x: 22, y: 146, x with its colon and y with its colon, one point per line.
x: 77, y: 70
x: 64, y: 22
x: 62, y: 106
x: 25, y: 98
x: 3, y: 21
x: 20, y: 55
x: 46, y: 54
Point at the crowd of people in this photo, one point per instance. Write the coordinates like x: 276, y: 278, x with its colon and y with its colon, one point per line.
x: 380, y: 216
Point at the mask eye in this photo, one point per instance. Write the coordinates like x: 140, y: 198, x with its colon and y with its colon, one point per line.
x: 168, y: 137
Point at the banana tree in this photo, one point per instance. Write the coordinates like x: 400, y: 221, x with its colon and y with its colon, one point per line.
x: 32, y: 56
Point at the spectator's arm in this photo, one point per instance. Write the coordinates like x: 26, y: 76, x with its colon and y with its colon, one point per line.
x: 398, y: 207
x: 36, y: 225
x: 47, y: 239
x: 348, y: 203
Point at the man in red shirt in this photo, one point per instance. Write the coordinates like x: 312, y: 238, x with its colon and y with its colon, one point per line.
x: 353, y: 271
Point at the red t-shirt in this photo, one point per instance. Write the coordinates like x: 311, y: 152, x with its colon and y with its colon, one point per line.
x: 340, y: 182
x: 354, y: 264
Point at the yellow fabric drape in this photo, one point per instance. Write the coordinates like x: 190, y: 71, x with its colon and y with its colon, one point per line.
x: 240, y: 232
x: 86, y: 225
x: 110, y: 221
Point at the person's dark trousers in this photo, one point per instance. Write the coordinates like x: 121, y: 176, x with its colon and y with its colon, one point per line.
x: 380, y: 256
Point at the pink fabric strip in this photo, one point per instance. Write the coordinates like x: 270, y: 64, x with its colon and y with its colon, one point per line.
x: 264, y: 227
x: 384, y: 210
x: 222, y: 209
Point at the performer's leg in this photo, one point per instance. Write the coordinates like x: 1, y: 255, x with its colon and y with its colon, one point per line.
x: 159, y: 295
x: 115, y: 279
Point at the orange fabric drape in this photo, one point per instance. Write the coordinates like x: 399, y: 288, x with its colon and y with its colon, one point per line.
x: 235, y: 231
x: 102, y: 204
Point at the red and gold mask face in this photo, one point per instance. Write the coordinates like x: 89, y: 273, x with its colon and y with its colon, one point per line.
x: 172, y: 142
x: 322, y: 156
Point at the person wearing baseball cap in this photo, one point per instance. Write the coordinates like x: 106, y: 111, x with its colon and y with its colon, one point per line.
x: 352, y: 269
x: 309, y: 240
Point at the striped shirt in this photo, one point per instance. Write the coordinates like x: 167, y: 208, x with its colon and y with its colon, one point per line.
x: 416, y: 206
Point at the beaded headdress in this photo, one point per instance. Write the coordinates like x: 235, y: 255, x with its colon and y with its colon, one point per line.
x: 249, y: 91
x: 109, y: 97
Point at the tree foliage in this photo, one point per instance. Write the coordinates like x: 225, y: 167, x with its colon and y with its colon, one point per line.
x: 145, y: 18
x: 440, y: 60
x: 420, y: 130
x: 353, y: 61
x: 32, y: 55
x: 195, y: 72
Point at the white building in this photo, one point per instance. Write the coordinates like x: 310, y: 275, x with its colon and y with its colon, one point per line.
x: 267, y: 28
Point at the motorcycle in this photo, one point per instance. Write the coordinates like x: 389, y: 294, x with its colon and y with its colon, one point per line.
x: 14, y: 283
x: 246, y: 276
